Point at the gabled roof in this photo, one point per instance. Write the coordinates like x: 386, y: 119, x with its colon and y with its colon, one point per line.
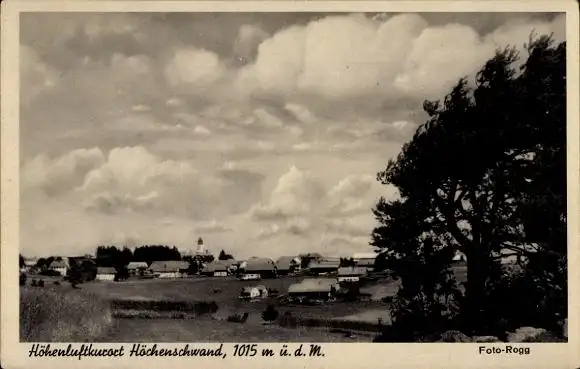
x: 313, y: 285
x: 260, y: 264
x: 59, y: 264
x: 137, y: 264
x: 365, y: 255
x: 351, y: 271
x: 169, y: 266
x: 284, y: 262
x: 215, y: 266
x: 228, y: 262
x: 365, y: 262
x: 324, y: 264
x: 106, y: 270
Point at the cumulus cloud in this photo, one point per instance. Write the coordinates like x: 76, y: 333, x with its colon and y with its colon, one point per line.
x: 212, y: 226
x: 165, y: 106
x: 247, y: 42
x: 54, y: 176
x: 195, y: 67
x: 295, y: 192
x: 301, y: 113
x: 35, y: 75
x: 340, y: 57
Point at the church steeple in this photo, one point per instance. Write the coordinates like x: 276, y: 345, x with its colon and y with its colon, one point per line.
x: 200, y: 246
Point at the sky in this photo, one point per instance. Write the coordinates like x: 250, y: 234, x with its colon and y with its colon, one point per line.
x: 260, y: 132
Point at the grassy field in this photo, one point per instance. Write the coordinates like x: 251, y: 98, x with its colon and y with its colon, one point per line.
x: 208, y: 330
x: 189, y: 292
x: 55, y: 313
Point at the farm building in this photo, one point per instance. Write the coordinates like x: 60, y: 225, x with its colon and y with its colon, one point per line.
x: 169, y: 268
x: 257, y: 268
x: 105, y: 274
x: 137, y: 267
x: 365, y: 259
x: 322, y: 267
x: 216, y: 269
x: 288, y: 264
x: 323, y: 289
x: 351, y: 274
x: 60, y: 266
x: 253, y: 292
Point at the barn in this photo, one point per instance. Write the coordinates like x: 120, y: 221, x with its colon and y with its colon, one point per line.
x: 137, y: 267
x: 258, y: 268
x: 365, y: 259
x: 215, y: 269
x: 105, y: 274
x: 169, y: 268
x: 313, y: 289
x: 322, y: 267
x: 351, y: 274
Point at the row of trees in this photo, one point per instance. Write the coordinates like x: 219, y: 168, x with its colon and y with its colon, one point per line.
x: 485, y: 175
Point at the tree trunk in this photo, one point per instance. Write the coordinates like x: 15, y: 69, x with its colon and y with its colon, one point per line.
x: 473, y: 319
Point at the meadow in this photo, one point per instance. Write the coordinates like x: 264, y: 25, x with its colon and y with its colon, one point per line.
x: 178, y: 310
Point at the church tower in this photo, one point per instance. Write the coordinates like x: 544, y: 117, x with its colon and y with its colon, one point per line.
x: 200, y: 246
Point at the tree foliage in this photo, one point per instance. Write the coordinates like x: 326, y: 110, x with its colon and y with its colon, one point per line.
x: 485, y: 175
x: 223, y: 256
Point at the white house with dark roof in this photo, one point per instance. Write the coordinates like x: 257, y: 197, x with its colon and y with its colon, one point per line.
x: 61, y: 266
x: 216, y: 268
x: 137, y: 267
x: 105, y: 274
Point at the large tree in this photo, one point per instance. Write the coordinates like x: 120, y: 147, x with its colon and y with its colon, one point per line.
x: 486, y: 175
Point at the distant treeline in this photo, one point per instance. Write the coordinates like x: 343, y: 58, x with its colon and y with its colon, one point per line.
x: 112, y: 256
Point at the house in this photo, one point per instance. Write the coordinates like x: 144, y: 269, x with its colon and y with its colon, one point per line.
x: 288, y: 264
x: 313, y: 289
x: 365, y: 259
x: 254, y: 292
x: 216, y: 269
x: 61, y: 266
x: 105, y: 274
x: 30, y: 262
x: 137, y: 267
x: 257, y: 268
x: 169, y: 268
x: 459, y: 258
x: 322, y: 267
x: 351, y: 274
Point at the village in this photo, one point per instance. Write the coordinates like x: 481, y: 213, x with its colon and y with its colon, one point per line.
x: 320, y: 278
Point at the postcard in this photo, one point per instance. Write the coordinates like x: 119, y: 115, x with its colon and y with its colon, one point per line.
x: 274, y: 183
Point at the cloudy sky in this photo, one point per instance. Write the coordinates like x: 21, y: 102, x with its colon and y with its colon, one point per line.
x: 260, y: 132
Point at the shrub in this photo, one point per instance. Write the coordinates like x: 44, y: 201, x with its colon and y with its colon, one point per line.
x: 48, y: 315
x: 50, y: 273
x: 270, y: 314
x: 22, y: 279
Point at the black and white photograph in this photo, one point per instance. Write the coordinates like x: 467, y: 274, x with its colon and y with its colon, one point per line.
x: 292, y: 176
